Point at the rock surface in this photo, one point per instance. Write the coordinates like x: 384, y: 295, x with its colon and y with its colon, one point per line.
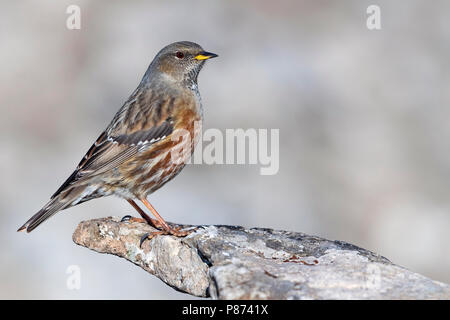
x: 227, y: 262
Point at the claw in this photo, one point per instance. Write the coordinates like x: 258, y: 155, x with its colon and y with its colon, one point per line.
x: 143, y: 238
x: 126, y: 218
x: 132, y: 219
x: 150, y: 236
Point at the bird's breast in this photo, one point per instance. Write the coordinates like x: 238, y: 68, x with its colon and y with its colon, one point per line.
x: 162, y: 161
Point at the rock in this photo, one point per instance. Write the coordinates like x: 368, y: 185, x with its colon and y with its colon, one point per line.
x: 228, y: 262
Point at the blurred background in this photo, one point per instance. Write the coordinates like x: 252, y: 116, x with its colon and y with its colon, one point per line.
x: 363, y: 118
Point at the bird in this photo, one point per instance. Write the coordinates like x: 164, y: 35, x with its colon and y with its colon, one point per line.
x: 147, y: 143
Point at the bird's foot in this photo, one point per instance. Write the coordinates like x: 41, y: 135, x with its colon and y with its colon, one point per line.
x: 177, y: 232
x: 153, y: 222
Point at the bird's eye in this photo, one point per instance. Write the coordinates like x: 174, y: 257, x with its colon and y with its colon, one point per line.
x: 179, y: 54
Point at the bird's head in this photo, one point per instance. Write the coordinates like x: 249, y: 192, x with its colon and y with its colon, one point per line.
x: 181, y: 61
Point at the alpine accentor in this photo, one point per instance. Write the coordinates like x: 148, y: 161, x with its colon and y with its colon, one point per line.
x: 132, y: 158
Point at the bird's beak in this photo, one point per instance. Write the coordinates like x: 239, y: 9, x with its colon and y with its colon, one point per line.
x: 205, y: 55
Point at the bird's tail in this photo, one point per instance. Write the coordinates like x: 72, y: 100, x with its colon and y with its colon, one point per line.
x: 58, y: 203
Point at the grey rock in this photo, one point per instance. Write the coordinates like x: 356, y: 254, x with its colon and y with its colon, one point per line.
x: 228, y: 262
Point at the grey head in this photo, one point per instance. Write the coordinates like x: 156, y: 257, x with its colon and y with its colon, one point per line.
x: 178, y: 62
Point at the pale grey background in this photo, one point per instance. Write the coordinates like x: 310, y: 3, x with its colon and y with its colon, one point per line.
x: 363, y: 118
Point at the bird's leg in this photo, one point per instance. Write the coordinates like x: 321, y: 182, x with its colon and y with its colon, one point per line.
x: 146, y: 219
x: 173, y: 231
x: 167, y: 230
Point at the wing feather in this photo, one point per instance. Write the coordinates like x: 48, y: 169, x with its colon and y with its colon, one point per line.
x: 108, y: 152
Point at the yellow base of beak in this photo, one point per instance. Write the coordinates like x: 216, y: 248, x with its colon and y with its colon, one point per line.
x: 205, y: 56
